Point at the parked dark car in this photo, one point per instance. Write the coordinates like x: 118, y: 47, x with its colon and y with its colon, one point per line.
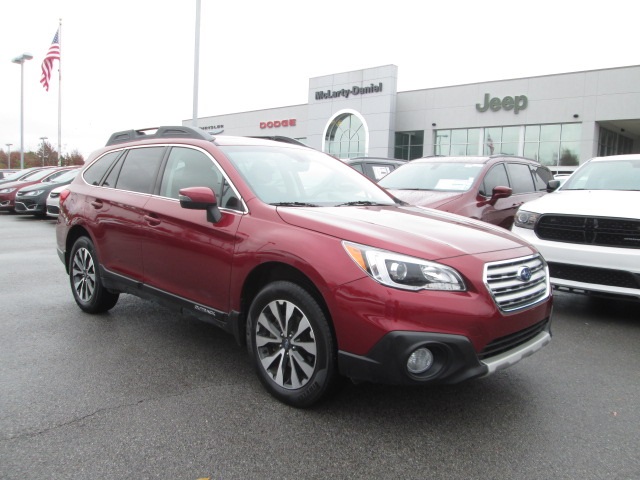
x: 485, y: 188
x: 315, y: 267
x: 374, y: 167
x: 33, y: 198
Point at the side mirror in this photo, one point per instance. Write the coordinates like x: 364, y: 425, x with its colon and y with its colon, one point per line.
x: 553, y: 185
x: 201, y: 198
x: 498, y: 193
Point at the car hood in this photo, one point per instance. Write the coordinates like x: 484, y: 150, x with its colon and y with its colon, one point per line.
x: 598, y: 203
x: 429, y: 234
x: 17, y: 184
x: 425, y: 198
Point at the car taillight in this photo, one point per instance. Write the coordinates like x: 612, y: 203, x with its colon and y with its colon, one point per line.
x: 63, y: 195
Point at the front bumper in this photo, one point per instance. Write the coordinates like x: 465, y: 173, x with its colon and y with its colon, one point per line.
x: 455, y: 359
x: 22, y: 206
x: 589, y: 269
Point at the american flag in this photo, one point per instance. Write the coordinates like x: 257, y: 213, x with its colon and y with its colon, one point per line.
x: 47, y: 63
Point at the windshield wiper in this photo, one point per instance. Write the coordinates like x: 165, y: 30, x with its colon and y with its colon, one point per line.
x: 293, y: 204
x: 362, y: 203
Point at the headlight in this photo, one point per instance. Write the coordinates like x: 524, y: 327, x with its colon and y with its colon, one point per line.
x: 401, y: 271
x: 524, y: 219
x: 7, y: 190
x: 33, y: 193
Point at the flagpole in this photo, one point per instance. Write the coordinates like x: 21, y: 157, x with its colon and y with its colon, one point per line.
x: 196, y: 67
x: 60, y: 95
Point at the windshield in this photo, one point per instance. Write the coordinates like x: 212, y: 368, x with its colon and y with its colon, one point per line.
x: 38, y: 175
x: 303, y: 177
x: 609, y: 175
x: 65, y: 176
x: 439, y: 176
x: 26, y: 174
x: 14, y: 175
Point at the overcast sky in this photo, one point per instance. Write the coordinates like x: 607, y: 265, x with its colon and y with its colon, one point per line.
x: 130, y: 63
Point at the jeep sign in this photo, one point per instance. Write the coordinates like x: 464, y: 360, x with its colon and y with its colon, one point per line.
x: 508, y: 103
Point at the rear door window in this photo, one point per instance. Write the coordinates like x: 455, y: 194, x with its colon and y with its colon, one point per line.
x: 140, y: 169
x: 521, y: 179
x: 94, y: 173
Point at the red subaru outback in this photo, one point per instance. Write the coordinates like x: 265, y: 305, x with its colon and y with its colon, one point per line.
x: 319, y: 271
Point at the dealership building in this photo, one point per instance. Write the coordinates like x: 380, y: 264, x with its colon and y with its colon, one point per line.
x: 560, y: 120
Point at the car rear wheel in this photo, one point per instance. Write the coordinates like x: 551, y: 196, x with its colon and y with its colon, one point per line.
x: 291, y: 344
x: 84, y: 276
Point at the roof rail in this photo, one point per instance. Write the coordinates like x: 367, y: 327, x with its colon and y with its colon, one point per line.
x: 280, y: 138
x: 158, y: 132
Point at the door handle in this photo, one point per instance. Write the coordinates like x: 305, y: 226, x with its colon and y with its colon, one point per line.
x: 97, y: 203
x: 152, y: 220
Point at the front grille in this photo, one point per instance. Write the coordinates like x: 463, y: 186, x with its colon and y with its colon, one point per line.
x: 504, y: 344
x: 518, y: 283
x: 603, y: 231
x: 597, y: 276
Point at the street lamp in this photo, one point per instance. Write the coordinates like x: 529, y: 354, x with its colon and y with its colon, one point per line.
x: 20, y: 60
x: 9, y: 155
x: 43, y: 139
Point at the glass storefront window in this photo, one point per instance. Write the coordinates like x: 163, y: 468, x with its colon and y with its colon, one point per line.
x: 550, y: 133
x: 612, y: 143
x: 346, y: 137
x: 442, y: 142
x: 569, y: 153
x: 531, y: 151
x: 475, y: 134
x: 548, y: 153
x: 409, y: 145
x: 571, y: 132
x: 532, y: 133
x: 509, y: 148
x: 552, y: 145
x: 459, y: 150
x: 458, y: 136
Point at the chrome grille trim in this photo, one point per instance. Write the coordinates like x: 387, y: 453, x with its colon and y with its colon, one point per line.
x: 512, y: 292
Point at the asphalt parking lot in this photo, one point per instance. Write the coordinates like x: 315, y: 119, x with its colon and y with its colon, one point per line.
x: 142, y: 393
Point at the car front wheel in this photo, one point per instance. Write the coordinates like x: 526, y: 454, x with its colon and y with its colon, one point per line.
x: 84, y: 276
x: 291, y: 344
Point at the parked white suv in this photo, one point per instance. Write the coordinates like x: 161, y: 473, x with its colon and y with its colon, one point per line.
x: 588, y: 230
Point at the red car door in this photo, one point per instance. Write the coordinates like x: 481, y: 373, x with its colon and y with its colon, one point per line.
x: 183, y: 252
x: 115, y: 210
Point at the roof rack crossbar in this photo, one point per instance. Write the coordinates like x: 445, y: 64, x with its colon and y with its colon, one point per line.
x: 159, y: 132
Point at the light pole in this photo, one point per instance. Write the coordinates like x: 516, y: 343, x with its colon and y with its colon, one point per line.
x: 20, y: 60
x: 43, y: 139
x: 9, y: 155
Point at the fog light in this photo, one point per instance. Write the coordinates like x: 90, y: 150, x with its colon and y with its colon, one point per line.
x: 420, y: 361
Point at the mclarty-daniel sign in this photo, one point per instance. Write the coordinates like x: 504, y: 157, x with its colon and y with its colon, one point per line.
x: 355, y: 90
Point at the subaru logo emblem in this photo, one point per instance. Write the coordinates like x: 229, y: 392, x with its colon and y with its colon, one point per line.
x: 524, y: 274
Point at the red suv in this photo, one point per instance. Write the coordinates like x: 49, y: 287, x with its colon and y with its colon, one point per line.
x: 319, y: 271
x: 485, y: 188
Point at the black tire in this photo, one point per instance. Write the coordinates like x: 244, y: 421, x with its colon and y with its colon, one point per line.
x: 84, y: 277
x: 291, y: 345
